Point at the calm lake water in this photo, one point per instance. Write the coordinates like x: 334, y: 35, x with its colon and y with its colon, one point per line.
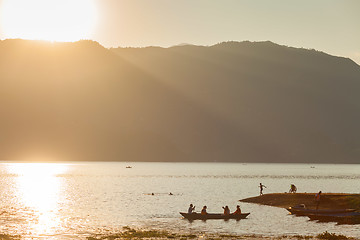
x: 75, y: 200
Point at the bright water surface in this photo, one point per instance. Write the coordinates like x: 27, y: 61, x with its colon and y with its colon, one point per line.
x: 76, y: 200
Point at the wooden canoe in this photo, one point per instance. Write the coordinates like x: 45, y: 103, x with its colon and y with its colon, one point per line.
x: 342, y: 218
x: 306, y: 211
x: 198, y: 216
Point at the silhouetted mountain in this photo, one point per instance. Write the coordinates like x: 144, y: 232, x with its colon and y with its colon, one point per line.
x: 234, y: 101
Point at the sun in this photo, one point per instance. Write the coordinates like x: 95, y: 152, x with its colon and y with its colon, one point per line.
x: 52, y: 20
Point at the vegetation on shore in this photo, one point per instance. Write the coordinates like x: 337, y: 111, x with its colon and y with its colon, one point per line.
x: 9, y: 237
x: 130, y: 233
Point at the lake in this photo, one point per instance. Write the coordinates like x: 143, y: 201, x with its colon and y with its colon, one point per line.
x: 77, y: 199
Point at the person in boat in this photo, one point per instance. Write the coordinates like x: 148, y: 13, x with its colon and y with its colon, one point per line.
x: 261, y: 186
x: 317, y: 199
x: 293, y: 188
x: 226, y: 210
x: 203, y: 210
x: 237, y: 211
x: 191, y: 209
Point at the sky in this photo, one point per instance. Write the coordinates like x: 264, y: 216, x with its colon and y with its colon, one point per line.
x: 332, y: 26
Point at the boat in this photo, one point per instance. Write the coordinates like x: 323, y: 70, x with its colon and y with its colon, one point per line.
x: 128, y: 166
x: 198, y: 216
x: 306, y: 211
x: 341, y: 218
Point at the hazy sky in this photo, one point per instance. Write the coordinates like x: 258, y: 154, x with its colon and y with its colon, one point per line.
x: 332, y: 26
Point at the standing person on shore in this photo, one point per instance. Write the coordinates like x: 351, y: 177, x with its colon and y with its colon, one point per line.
x: 191, y: 209
x: 317, y: 199
x: 261, y: 186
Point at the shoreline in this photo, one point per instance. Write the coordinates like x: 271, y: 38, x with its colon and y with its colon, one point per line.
x: 328, y: 200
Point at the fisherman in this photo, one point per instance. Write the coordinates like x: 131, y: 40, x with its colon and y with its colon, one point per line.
x: 203, y: 210
x: 317, y: 199
x: 293, y: 188
x: 261, y: 186
x: 226, y: 210
x: 191, y: 209
x: 237, y: 211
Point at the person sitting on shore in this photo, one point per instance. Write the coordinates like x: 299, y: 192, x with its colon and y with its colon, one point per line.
x: 226, y: 210
x: 237, y: 211
x: 191, y: 209
x: 203, y: 210
x: 293, y: 188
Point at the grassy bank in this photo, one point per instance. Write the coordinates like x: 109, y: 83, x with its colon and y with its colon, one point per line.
x: 9, y: 237
x: 328, y: 200
x: 129, y: 233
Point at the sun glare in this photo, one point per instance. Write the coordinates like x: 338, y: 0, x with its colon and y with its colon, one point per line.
x: 38, y: 188
x: 52, y: 20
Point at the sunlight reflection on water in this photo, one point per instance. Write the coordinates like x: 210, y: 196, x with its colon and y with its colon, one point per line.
x: 38, y: 189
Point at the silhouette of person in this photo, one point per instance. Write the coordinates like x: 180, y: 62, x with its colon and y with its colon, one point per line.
x: 203, y: 210
x: 226, y: 210
x: 237, y: 211
x: 293, y: 188
x: 191, y: 209
x: 261, y: 186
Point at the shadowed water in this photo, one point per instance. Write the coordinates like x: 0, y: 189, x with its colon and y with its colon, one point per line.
x: 81, y: 199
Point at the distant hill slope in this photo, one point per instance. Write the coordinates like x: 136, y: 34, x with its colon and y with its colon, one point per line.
x: 234, y: 101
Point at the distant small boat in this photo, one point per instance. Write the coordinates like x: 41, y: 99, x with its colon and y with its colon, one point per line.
x: 128, y: 166
x: 198, y: 216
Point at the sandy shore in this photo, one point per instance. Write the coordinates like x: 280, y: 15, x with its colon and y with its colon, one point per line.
x: 328, y: 200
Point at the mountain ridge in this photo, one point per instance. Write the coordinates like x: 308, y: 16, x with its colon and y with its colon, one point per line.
x: 233, y: 101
